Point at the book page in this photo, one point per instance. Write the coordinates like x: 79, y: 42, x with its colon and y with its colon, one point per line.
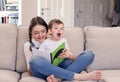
x: 46, y: 55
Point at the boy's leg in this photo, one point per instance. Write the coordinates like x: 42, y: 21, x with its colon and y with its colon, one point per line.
x: 65, y: 63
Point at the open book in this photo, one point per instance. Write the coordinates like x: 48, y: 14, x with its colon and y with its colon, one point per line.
x: 53, y: 57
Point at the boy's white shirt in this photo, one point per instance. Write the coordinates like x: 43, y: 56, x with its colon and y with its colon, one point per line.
x: 50, y: 45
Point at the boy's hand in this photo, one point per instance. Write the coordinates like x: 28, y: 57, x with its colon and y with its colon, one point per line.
x: 65, y: 53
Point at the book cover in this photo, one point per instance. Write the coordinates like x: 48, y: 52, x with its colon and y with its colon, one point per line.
x: 53, y: 57
x: 56, y: 60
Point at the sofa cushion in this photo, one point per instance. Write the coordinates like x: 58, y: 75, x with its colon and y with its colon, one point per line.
x: 9, y: 76
x: 8, y: 36
x: 22, y: 38
x: 27, y: 78
x: 74, y: 36
x: 105, y: 43
x: 111, y: 75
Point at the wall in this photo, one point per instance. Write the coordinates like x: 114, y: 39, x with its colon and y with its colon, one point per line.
x: 28, y: 10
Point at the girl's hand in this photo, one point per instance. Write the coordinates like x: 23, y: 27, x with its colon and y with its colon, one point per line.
x: 65, y: 53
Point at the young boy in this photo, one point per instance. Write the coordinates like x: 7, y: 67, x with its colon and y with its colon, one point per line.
x: 56, y: 30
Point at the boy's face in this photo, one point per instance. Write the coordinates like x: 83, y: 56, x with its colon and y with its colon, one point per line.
x: 57, y: 31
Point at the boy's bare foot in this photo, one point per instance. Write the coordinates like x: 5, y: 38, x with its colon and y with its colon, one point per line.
x: 51, y: 78
x: 94, y: 75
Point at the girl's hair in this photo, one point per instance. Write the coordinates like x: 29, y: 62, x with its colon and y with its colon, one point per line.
x: 36, y: 21
x: 54, y: 21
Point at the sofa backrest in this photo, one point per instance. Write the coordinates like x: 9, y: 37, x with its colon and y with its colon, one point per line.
x: 105, y: 43
x: 74, y: 36
x: 8, y: 37
x: 22, y: 38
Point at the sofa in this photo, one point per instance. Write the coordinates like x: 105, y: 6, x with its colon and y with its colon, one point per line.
x: 103, y: 41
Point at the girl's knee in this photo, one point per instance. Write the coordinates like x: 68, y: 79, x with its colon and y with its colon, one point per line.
x: 35, y: 60
x: 89, y: 54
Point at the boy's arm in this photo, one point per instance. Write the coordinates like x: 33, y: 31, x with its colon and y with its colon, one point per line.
x: 67, y: 54
x: 72, y: 57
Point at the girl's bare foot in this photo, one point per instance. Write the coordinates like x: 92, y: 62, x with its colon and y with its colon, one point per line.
x: 51, y: 78
x: 94, y: 75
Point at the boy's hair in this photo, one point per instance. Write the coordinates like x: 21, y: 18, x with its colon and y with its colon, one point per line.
x: 54, y: 21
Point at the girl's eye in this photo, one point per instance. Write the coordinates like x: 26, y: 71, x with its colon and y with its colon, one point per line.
x: 43, y: 31
x: 55, y: 28
x: 36, y: 33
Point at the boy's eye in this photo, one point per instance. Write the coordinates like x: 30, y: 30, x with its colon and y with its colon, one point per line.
x: 61, y: 29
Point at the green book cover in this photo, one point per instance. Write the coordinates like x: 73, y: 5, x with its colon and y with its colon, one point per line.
x: 56, y: 60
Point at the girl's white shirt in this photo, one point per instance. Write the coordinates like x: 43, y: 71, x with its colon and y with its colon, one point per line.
x: 27, y: 52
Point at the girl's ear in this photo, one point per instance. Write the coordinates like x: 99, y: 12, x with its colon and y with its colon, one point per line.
x: 49, y: 32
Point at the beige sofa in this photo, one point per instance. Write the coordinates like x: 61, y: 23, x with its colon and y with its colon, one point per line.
x: 104, y: 42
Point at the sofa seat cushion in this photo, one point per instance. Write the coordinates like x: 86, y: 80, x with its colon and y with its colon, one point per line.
x: 105, y: 44
x: 79, y: 81
x: 9, y: 76
x: 111, y: 75
x: 28, y: 78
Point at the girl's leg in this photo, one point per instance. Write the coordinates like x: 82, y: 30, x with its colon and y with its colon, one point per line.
x: 82, y: 62
x: 37, y: 74
x: 42, y: 66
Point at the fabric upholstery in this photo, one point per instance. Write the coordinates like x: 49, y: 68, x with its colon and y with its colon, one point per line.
x: 22, y: 38
x: 27, y: 78
x: 8, y: 36
x: 105, y: 43
x: 75, y: 39
x: 111, y: 75
x: 9, y: 76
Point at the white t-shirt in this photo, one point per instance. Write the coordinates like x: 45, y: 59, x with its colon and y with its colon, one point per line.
x: 50, y: 45
x: 27, y: 52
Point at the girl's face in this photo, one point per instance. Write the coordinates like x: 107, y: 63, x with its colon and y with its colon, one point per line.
x: 39, y: 33
x: 57, y: 31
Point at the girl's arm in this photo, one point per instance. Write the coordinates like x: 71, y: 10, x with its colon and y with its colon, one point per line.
x: 27, y: 54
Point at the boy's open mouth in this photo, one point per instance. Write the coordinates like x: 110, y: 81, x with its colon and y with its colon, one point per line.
x: 58, y: 34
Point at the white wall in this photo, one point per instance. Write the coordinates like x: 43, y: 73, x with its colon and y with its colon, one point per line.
x: 28, y: 11
x: 69, y: 13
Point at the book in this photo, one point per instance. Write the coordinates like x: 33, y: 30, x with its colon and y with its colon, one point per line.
x: 52, y: 57
x: 43, y: 54
x: 56, y: 60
